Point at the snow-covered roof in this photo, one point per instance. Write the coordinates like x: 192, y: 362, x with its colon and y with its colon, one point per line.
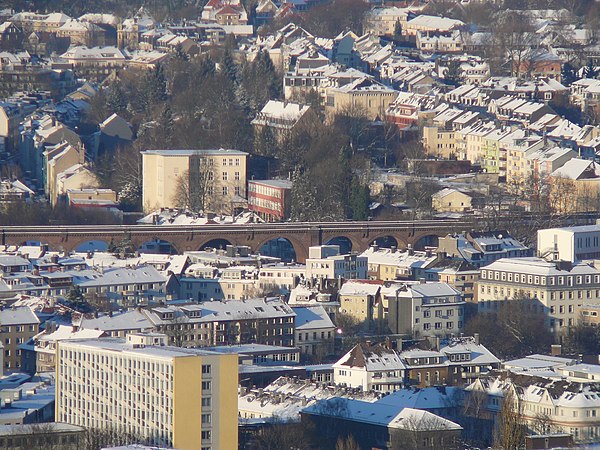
x: 360, y: 288
x: 539, y: 266
x: 371, y: 358
x: 434, y: 22
x: 312, y: 318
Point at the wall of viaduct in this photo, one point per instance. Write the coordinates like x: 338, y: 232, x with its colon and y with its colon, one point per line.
x: 187, y: 238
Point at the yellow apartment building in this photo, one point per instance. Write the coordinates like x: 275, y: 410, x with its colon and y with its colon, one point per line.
x: 169, y: 396
x: 224, y: 169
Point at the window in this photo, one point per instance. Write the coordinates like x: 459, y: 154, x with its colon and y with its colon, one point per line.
x: 206, y: 385
x: 225, y: 190
x: 206, y: 401
x: 237, y: 176
x: 205, y: 368
x: 205, y: 435
x: 206, y: 418
x: 224, y: 176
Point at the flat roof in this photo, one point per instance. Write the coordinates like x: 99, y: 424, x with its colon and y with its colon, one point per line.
x: 191, y: 152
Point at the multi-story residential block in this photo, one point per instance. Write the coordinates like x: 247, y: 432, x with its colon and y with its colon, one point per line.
x: 364, y: 96
x: 370, y: 368
x: 459, y: 274
x: 435, y: 42
x: 567, y: 400
x: 282, y: 276
x: 129, y: 286
x: 94, y: 63
x: 45, y: 345
x: 432, y: 24
x: 58, y: 436
x: 569, y: 243
x: 17, y: 326
x: 382, y: 21
x: 223, y: 170
x: 114, y: 325
x: 280, y: 118
x: 408, y: 108
x: 481, y: 248
x: 384, y: 425
x: 270, y: 199
x: 168, y: 396
x: 555, y: 288
x: 325, y: 262
x: 422, y: 309
x: 390, y: 264
x: 261, y: 321
x: 458, y: 362
x: 359, y: 299
x: 315, y: 331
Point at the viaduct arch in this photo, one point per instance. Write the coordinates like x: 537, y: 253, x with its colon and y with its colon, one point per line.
x: 188, y: 238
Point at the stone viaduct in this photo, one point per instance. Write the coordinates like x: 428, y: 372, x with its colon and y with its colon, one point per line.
x: 185, y: 238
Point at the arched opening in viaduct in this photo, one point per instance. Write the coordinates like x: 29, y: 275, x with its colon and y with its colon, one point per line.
x: 279, y: 247
x: 95, y: 245
x: 344, y: 243
x: 158, y: 246
x: 217, y: 244
x: 387, y: 242
x: 428, y: 240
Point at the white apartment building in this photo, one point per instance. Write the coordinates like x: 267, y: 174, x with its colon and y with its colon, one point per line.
x: 371, y: 368
x: 559, y: 288
x: 170, y: 396
x: 423, y: 309
x: 569, y: 243
x: 325, y: 262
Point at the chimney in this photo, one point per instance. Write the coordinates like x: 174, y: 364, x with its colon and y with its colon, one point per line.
x: 476, y: 338
x: 437, y: 344
x: 556, y: 350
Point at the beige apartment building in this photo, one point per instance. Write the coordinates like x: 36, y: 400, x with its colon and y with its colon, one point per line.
x: 169, y: 396
x: 220, y: 174
x: 17, y: 326
x: 558, y: 288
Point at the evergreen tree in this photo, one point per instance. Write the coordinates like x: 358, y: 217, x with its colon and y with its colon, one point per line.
x: 569, y: 74
x: 359, y: 201
x: 228, y: 66
x: 590, y: 70
x: 206, y: 67
x: 180, y: 54
x: 453, y: 74
x: 305, y: 206
x: 75, y: 295
x: 116, y: 99
x: 165, y: 132
x: 397, y: 31
x: 154, y: 87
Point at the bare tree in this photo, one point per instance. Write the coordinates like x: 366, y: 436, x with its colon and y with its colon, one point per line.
x: 512, y: 38
x: 346, y: 443
x: 511, y: 429
x: 177, y: 330
x: 196, y: 187
x: 96, y: 438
